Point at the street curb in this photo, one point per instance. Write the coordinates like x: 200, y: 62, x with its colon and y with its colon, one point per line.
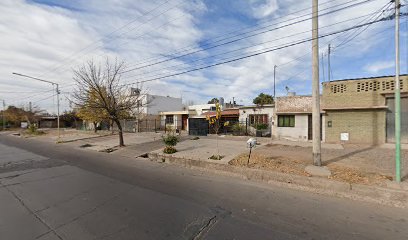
x: 380, y: 195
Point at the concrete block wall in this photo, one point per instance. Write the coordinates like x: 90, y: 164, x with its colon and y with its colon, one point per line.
x: 363, y: 126
x: 359, y: 92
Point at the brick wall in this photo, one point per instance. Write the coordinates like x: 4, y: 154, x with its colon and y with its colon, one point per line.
x: 363, y: 126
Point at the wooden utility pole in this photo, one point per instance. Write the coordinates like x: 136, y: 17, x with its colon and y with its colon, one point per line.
x: 315, y: 86
x: 397, y: 97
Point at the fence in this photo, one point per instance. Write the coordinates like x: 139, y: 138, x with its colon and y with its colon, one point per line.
x: 238, y: 128
x: 243, y: 128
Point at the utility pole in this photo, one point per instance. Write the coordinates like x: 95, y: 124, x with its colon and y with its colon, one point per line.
x: 397, y: 97
x: 4, y: 115
x: 274, y: 82
x: 58, y: 93
x: 317, y: 161
x: 328, y: 62
x: 323, y: 73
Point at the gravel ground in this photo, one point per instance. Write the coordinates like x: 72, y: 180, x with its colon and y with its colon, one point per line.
x: 354, y: 164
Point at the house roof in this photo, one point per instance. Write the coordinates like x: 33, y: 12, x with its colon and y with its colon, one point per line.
x: 226, y: 112
x: 294, y: 104
x: 258, y: 106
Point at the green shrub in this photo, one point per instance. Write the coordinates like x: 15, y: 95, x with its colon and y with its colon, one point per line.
x: 32, y: 128
x: 216, y: 157
x: 237, y: 128
x: 170, y: 140
x: 261, y: 126
x: 169, y: 150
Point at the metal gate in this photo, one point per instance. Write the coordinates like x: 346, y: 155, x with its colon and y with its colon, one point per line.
x: 197, y: 126
x: 391, y: 120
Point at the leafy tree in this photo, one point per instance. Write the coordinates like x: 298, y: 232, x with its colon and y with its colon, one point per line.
x: 15, y: 115
x: 263, y: 99
x: 215, y: 123
x: 93, y: 115
x: 69, y: 118
x: 100, y: 89
x: 212, y: 101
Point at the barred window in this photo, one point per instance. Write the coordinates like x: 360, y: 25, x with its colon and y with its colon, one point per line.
x: 286, y: 120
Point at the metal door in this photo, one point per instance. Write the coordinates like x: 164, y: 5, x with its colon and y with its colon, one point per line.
x: 390, y: 120
x: 197, y: 126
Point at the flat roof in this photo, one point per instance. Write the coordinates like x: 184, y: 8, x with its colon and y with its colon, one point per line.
x: 174, y: 113
x: 351, y: 79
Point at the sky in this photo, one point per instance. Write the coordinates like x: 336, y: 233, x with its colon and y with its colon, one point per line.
x: 48, y: 39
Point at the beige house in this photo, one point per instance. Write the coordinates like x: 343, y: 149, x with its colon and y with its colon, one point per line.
x: 362, y: 110
x: 293, y: 118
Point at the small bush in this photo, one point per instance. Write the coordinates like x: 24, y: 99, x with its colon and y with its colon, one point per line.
x: 32, y: 128
x: 169, y: 150
x: 170, y: 140
x: 261, y: 126
x: 216, y: 157
x: 238, y: 128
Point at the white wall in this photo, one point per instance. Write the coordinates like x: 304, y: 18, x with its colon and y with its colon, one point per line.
x: 245, y: 112
x: 158, y: 104
x: 177, y: 121
x: 201, y: 108
x: 298, y: 133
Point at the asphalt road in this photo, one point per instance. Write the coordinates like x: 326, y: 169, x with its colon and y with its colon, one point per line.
x: 52, y: 191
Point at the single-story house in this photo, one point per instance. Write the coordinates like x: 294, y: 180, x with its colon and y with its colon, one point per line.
x: 179, y: 119
x: 293, y: 118
x: 363, y: 110
x: 256, y: 115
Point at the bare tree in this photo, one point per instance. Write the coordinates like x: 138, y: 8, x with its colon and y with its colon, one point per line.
x: 100, y: 87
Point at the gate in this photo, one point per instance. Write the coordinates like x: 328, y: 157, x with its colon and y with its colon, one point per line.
x: 197, y: 126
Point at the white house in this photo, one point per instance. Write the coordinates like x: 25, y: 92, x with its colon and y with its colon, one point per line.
x: 293, y: 118
x: 179, y: 119
x: 157, y: 104
x: 255, y: 115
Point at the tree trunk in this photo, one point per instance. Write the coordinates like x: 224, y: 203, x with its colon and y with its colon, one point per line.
x: 95, y: 128
x: 121, y: 142
x: 111, y: 126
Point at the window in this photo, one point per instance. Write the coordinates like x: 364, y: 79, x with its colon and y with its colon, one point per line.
x: 258, y: 119
x: 169, y: 119
x: 286, y: 120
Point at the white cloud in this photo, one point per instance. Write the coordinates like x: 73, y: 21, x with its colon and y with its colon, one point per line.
x: 377, y: 67
x: 37, y: 37
x: 263, y: 8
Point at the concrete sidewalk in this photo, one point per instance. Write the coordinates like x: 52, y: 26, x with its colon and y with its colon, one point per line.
x: 205, y: 147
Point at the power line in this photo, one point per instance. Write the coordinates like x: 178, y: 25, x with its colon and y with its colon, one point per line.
x: 260, y: 53
x: 108, y: 35
x: 239, y: 31
x: 245, y: 37
x: 258, y: 44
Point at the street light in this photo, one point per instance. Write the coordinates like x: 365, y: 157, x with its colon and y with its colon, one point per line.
x: 57, y: 87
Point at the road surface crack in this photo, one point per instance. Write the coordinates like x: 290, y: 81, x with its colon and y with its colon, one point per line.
x: 204, y: 229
